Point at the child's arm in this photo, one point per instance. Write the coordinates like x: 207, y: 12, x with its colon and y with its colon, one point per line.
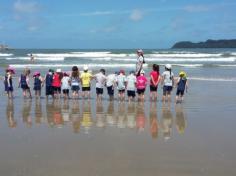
x: 186, y: 86
x: 19, y: 82
x: 8, y: 80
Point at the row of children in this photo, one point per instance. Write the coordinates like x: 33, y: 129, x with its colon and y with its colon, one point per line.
x: 56, y: 81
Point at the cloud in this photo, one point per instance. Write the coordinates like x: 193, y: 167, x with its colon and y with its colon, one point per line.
x: 136, y: 15
x: 196, y: 8
x: 97, y: 13
x: 21, y: 6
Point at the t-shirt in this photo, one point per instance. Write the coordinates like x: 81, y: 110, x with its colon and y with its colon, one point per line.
x: 155, y: 76
x: 65, y: 82
x: 131, y: 82
x: 167, y: 76
x: 100, y: 80
x: 139, y: 63
x: 110, y: 80
x: 86, y: 78
x: 120, y: 80
x: 141, y: 82
x: 75, y: 81
x: 56, y: 82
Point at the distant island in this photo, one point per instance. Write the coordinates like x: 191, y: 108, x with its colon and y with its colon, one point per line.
x: 4, y: 47
x: 206, y: 44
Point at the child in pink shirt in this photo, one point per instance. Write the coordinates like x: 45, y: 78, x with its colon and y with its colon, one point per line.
x: 141, y: 85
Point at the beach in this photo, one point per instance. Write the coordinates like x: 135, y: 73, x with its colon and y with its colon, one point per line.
x: 83, y: 137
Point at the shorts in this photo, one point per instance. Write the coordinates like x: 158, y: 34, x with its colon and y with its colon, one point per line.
x: 75, y: 88
x: 180, y: 92
x: 49, y: 90
x: 121, y: 91
x: 140, y: 91
x: 9, y: 89
x: 85, y: 88
x: 131, y: 93
x: 57, y: 89
x: 37, y: 88
x: 25, y: 87
x: 110, y: 90
x: 153, y: 88
x: 167, y: 90
x: 65, y: 91
x: 99, y: 90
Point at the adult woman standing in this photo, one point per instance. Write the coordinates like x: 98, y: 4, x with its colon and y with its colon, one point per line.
x: 140, y: 61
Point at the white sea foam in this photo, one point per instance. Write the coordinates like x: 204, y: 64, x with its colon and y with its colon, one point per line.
x: 186, y: 55
x: 220, y: 59
x: 81, y: 55
x: 213, y: 79
x: 188, y: 65
x: 37, y: 58
x: 71, y: 65
x: 5, y: 55
x: 228, y: 65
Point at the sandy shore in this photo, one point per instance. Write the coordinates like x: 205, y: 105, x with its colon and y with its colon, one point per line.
x: 77, y: 137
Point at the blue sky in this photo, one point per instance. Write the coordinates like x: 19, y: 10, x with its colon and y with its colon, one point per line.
x: 114, y: 24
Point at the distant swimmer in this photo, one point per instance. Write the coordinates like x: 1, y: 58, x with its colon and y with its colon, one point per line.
x: 31, y: 58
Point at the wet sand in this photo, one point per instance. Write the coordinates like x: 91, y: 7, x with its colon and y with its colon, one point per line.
x: 80, y: 137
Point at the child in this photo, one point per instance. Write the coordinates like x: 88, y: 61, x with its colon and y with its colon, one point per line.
x: 168, y: 82
x: 75, y: 82
x: 110, y: 83
x: 141, y: 85
x: 48, y: 81
x: 37, y: 84
x: 155, y: 78
x: 86, y: 82
x: 100, y: 82
x: 131, y: 85
x: 182, y: 85
x: 121, y: 85
x: 8, y: 82
x: 24, y: 82
x: 56, y: 83
x: 65, y: 85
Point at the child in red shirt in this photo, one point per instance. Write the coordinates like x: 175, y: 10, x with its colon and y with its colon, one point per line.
x: 141, y: 85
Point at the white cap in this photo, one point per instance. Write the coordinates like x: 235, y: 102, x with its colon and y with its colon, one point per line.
x: 85, y: 67
x: 139, y: 51
x: 58, y: 70
x: 142, y: 71
x: 168, y: 66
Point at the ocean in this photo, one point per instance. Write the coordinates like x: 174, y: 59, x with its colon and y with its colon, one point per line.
x: 200, y: 64
x: 85, y: 137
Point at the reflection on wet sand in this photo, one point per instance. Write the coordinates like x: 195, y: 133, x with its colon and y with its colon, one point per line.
x: 87, y: 121
x: 180, y: 119
x: 166, y: 122
x: 75, y: 116
x: 140, y: 117
x: 122, y: 115
x: 49, y: 113
x: 38, y: 112
x: 110, y: 114
x: 26, y: 113
x: 57, y: 115
x: 66, y: 111
x: 100, y: 116
x: 153, y: 120
x: 10, y: 114
x: 131, y: 115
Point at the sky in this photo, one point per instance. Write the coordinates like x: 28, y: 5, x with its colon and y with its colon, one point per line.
x: 114, y: 24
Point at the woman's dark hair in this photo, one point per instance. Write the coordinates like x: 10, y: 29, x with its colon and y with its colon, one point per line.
x: 103, y: 71
x: 75, y: 72
x: 155, y: 67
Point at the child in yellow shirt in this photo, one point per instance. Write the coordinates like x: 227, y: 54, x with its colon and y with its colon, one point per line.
x: 86, y: 78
